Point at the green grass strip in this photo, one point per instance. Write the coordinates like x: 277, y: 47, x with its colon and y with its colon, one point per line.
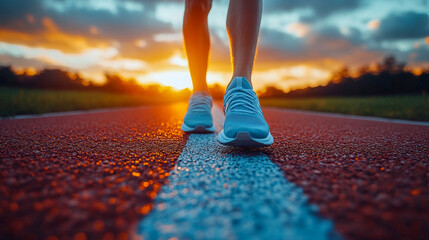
x: 414, y: 107
x: 33, y: 101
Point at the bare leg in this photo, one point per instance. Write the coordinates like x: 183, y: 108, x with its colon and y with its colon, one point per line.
x: 197, y: 40
x: 244, y: 19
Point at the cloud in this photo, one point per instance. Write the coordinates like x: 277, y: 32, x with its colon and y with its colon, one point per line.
x: 317, y: 7
x: 56, y: 57
x: 404, y: 25
x: 277, y: 46
x: 74, y: 26
x: 136, y: 33
x: 373, y: 24
x: 112, y: 6
x: 146, y: 37
x: 324, y: 43
x: 351, y: 34
x: 11, y: 10
x: 51, y: 37
x: 422, y: 55
x: 21, y: 62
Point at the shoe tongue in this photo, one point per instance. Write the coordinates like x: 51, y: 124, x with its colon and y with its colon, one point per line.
x: 239, y: 82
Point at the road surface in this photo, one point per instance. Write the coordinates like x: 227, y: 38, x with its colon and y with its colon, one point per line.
x: 134, y: 174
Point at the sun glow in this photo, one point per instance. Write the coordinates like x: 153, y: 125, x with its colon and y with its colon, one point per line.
x: 178, y: 61
x: 176, y: 79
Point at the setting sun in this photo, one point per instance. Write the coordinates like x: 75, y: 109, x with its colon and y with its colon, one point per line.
x: 298, y: 46
x: 176, y: 79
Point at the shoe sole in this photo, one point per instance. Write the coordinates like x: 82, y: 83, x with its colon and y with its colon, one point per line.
x: 243, y: 139
x: 198, y: 129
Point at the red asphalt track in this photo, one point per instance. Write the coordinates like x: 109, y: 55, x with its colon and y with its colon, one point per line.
x: 85, y: 176
x: 370, y: 178
x: 92, y: 176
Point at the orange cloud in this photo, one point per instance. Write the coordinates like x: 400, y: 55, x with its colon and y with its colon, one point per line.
x: 416, y: 45
x: 373, y: 24
x: 298, y: 29
x: 30, y: 18
x: 93, y: 30
x: 151, y: 51
x: 51, y: 38
x: 50, y: 25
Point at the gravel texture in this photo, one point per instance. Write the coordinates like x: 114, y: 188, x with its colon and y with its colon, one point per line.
x: 218, y: 192
x: 94, y: 176
x: 86, y: 176
x: 370, y: 178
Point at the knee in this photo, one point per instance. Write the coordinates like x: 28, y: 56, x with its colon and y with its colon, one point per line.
x: 198, y: 7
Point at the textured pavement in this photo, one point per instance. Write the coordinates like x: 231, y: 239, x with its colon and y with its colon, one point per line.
x: 96, y: 175
x: 218, y: 192
x: 371, y: 178
x: 85, y: 176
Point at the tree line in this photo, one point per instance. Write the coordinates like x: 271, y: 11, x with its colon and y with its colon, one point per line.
x: 56, y: 79
x: 387, y: 78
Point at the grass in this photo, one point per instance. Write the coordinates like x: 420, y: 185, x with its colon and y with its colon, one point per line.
x: 410, y: 107
x: 31, y: 101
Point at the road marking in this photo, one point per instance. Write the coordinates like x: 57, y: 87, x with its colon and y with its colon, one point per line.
x: 349, y: 116
x: 218, y: 192
x: 72, y: 113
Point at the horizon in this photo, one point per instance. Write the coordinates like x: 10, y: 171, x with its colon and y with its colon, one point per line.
x: 301, y: 43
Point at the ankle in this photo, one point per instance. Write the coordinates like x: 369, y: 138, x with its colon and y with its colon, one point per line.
x: 203, y: 88
x: 201, y: 91
x: 205, y: 93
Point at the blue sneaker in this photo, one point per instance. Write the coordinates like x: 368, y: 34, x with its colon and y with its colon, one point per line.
x: 245, y: 124
x: 198, y: 118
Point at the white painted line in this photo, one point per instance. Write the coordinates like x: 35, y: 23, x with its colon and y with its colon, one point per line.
x: 348, y: 116
x: 71, y: 113
x: 218, y: 192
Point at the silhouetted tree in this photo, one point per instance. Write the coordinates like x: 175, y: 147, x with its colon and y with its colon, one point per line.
x: 391, y: 65
x: 8, y: 77
x: 55, y: 79
x: 390, y: 78
x: 364, y: 70
x: 115, y: 83
x: 272, y: 91
x: 340, y: 75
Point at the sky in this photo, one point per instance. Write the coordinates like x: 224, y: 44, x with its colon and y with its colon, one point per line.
x: 301, y: 43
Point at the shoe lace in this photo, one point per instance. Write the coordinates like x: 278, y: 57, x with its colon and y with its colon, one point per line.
x: 241, y: 100
x: 200, y: 103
